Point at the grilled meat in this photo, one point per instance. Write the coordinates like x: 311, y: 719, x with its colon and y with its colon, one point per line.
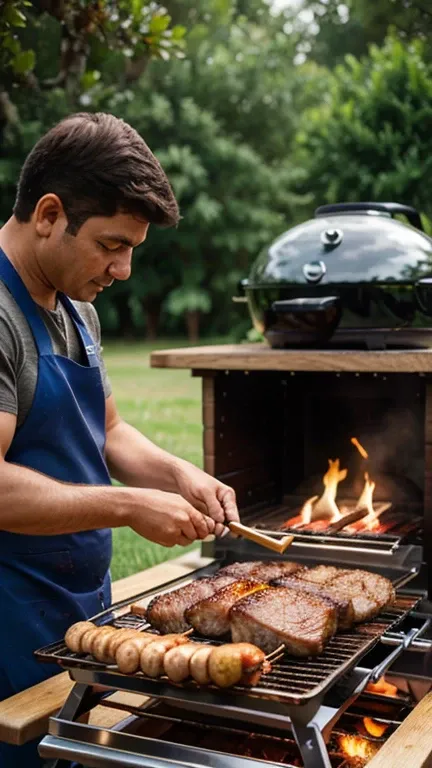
x: 259, y: 570
x: 177, y: 661
x: 152, y: 655
x: 128, y: 653
x: 343, y: 605
x: 321, y: 574
x: 166, y: 612
x: 199, y: 664
x: 210, y: 617
x: 236, y: 663
x: 368, y: 592
x: 301, y: 621
x: 75, y: 634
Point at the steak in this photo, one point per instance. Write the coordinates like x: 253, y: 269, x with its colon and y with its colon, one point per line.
x: 343, y: 605
x: 369, y: 592
x: 166, y: 612
x: 261, y: 570
x: 321, y: 574
x: 301, y: 621
x: 210, y: 617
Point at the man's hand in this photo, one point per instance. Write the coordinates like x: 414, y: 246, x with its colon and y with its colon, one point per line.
x: 211, y: 497
x: 168, y: 519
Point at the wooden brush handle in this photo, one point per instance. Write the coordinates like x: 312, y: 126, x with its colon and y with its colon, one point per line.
x: 276, y: 545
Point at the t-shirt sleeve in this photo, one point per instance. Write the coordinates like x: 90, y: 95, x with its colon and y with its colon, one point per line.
x: 8, y: 369
x: 90, y: 316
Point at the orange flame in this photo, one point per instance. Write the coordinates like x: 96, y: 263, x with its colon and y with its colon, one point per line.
x: 375, y: 728
x: 365, y: 502
x: 325, y: 508
x: 360, y: 448
x: 355, y: 746
x: 382, y: 687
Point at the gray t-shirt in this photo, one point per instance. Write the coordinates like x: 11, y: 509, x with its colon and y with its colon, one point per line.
x: 18, y: 354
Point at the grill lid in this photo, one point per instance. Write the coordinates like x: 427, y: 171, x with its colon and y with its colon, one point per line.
x: 348, y: 243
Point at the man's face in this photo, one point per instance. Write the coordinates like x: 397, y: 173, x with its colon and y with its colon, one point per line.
x: 82, y: 265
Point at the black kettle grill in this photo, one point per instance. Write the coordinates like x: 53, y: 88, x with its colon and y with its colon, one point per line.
x: 354, y: 276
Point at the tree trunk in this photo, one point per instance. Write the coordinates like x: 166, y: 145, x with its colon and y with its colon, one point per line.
x: 152, y: 309
x: 124, y: 314
x: 192, y: 323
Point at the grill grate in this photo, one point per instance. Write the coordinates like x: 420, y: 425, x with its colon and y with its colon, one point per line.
x: 290, y: 680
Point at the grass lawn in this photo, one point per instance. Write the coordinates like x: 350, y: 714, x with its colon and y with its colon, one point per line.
x: 166, y: 406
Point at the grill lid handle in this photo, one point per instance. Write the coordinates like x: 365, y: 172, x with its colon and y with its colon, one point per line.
x: 393, y: 209
x: 312, y: 304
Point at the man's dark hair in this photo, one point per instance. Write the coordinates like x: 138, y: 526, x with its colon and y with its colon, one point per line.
x: 98, y: 165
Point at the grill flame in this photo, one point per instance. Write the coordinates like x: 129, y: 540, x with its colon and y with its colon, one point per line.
x: 365, y: 502
x: 356, y: 746
x: 325, y: 507
x: 375, y: 728
x: 382, y: 687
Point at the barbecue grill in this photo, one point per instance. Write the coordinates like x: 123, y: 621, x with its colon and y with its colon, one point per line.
x: 305, y: 696
x: 268, y: 432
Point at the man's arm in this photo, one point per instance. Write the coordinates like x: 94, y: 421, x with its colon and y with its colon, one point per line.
x: 136, y: 461
x: 132, y: 458
x: 33, y: 503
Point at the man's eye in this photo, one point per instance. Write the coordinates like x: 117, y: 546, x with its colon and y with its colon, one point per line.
x: 110, y: 250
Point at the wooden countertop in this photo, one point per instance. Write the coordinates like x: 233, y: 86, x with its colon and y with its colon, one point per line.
x: 260, y: 357
x: 25, y: 715
x: 411, y: 745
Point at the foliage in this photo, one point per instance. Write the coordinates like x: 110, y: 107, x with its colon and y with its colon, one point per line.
x: 371, y: 139
x: 265, y: 117
x: 138, y: 30
x: 328, y: 30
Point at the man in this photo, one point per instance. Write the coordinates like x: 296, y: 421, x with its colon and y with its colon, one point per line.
x: 86, y: 196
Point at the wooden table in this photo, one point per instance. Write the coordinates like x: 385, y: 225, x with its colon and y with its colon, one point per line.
x: 25, y: 716
x: 260, y: 357
x: 411, y: 745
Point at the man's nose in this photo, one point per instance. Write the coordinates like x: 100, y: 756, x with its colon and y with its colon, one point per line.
x: 120, y: 268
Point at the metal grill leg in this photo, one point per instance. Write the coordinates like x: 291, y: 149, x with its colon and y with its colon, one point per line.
x: 311, y: 745
x: 81, y: 699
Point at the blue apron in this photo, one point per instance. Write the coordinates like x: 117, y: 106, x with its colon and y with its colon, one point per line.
x: 49, y: 582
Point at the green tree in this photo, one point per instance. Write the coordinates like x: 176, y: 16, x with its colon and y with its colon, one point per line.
x: 372, y: 138
x: 77, y: 32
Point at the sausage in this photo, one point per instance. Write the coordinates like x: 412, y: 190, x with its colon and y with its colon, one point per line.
x: 176, y: 661
x: 127, y: 655
x: 234, y: 663
x: 198, y: 664
x: 90, y: 636
x: 225, y: 665
x: 152, y: 657
x: 120, y: 636
x: 100, y: 645
x: 254, y: 663
x: 75, y: 633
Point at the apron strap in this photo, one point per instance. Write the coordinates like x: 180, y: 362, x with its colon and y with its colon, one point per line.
x: 14, y: 283
x: 88, y: 345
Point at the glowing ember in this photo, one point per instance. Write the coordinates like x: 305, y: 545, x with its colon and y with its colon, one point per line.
x: 325, y: 508
x: 360, y: 448
x: 375, y: 728
x: 355, y: 746
x: 382, y: 688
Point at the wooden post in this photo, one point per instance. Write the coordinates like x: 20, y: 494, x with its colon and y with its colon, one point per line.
x: 208, y: 417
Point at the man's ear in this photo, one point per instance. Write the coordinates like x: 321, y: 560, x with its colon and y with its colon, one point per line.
x: 49, y: 210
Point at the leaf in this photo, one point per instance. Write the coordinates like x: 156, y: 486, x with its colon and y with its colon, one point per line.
x: 24, y: 62
x: 14, y: 17
x: 159, y: 24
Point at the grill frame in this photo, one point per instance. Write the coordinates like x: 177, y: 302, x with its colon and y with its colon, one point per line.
x: 342, y: 653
